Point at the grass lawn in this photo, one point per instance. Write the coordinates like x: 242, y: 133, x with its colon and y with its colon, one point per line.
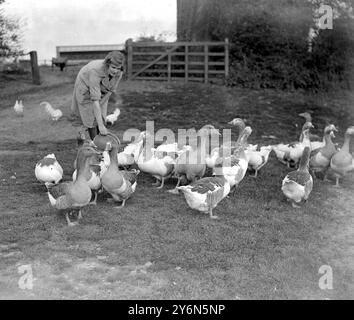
x: 156, y: 247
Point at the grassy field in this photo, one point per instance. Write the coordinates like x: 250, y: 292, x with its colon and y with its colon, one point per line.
x: 156, y: 247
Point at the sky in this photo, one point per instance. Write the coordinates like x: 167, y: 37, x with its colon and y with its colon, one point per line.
x: 51, y: 23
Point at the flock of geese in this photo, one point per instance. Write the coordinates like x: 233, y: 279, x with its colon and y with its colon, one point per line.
x: 100, y: 165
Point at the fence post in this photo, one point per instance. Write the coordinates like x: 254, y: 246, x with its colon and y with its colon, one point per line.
x: 129, y: 47
x: 226, y: 57
x: 186, y: 62
x: 34, y: 66
x: 206, y: 63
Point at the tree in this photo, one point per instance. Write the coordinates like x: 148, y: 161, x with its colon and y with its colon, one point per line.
x: 270, y: 40
x: 10, y: 35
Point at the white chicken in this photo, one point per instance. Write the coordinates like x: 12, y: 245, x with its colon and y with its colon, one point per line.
x: 112, y: 118
x: 55, y: 114
x: 18, y: 107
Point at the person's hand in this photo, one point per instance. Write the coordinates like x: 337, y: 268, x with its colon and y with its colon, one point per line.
x: 103, y: 130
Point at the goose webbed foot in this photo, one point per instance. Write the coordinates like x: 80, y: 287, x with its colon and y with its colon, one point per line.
x: 211, y: 215
x: 70, y: 223
x: 173, y: 191
x: 337, y: 183
x: 156, y: 183
x: 121, y: 206
x: 294, y: 205
x: 162, y: 184
x: 255, y: 174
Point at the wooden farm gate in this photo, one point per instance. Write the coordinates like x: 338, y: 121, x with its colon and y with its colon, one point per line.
x: 188, y: 61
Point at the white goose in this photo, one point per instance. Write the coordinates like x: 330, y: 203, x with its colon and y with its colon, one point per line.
x: 225, y: 150
x: 342, y: 162
x: 235, y: 166
x: 238, y: 122
x: 258, y: 159
x: 48, y: 170
x: 320, y: 158
x: 126, y: 157
x: 297, y: 185
x: 297, y: 149
x: 160, y: 167
x: 291, y: 153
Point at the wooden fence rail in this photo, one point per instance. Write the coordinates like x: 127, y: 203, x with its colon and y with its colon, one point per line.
x: 188, y: 61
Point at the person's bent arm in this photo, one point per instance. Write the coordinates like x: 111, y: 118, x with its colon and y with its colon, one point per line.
x: 98, y: 116
x: 104, y: 103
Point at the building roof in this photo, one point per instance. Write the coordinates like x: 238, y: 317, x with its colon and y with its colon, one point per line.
x: 98, y: 47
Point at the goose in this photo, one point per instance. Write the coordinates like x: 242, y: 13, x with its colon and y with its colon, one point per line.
x: 160, y: 167
x: 72, y: 196
x: 342, y: 162
x: 238, y: 122
x: 235, y: 166
x: 55, y: 114
x: 168, y: 149
x: 225, y: 149
x: 316, y: 145
x: 112, y: 118
x: 18, y: 107
x: 320, y: 158
x: 291, y: 153
x: 297, y: 185
x: 205, y: 194
x: 101, y: 140
x: 48, y: 170
x: 119, y: 184
x: 83, y: 141
x: 126, y: 157
x: 96, y: 171
x: 307, y: 124
x: 297, y: 149
x: 258, y: 159
x: 190, y: 164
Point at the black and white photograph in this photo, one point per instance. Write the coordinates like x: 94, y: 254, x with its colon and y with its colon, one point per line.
x: 193, y: 152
